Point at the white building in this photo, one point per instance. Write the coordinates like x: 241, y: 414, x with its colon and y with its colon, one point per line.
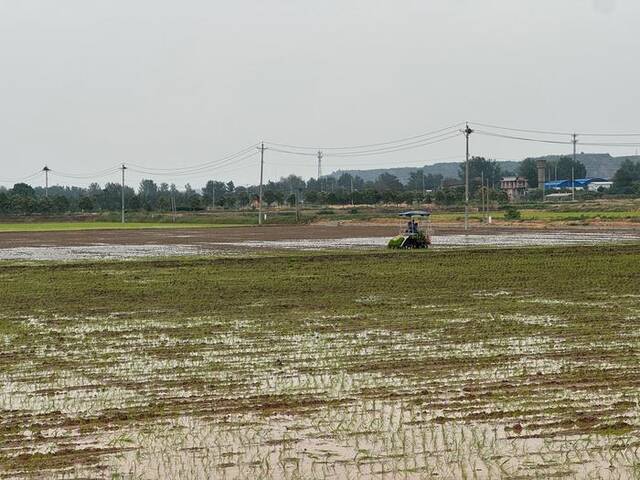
x: 594, y: 186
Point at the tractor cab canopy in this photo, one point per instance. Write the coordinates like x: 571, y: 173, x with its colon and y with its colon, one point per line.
x: 415, y: 213
x: 412, y: 225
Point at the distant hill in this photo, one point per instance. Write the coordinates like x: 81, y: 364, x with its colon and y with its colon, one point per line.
x: 447, y: 170
x: 597, y: 164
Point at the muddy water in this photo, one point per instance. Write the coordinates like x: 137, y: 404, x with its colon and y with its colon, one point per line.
x: 451, y: 241
x: 104, y: 251
x: 366, y: 440
x: 94, y: 252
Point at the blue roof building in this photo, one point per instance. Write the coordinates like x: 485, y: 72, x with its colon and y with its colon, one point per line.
x: 577, y: 183
x: 557, y: 185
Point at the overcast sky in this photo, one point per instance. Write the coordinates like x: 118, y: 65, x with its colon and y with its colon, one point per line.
x: 88, y: 84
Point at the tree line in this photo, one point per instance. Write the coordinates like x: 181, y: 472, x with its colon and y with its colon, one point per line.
x: 484, y: 175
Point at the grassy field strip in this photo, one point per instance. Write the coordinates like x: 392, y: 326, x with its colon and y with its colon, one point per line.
x: 461, y: 364
x: 76, y: 226
x: 235, y: 219
x: 544, y: 215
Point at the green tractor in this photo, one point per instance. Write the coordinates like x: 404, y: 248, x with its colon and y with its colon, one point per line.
x: 413, y: 236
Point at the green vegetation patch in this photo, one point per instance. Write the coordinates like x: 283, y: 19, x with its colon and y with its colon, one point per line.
x: 73, y: 226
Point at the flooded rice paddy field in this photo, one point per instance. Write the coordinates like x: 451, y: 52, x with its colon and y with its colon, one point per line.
x: 528, y: 239
x: 93, y: 252
x: 440, y: 241
x: 324, y: 366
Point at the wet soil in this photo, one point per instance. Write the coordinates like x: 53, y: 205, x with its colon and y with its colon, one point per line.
x: 203, y: 237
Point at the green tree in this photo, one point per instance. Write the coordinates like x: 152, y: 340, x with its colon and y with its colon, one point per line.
x: 164, y: 204
x: 269, y: 197
x: 148, y: 193
x: 311, y: 197
x: 191, y: 200
x: 5, y: 202
x: 345, y: 180
x: 229, y: 202
x: 449, y: 196
x: 566, y: 164
x: 23, y: 204
x: 86, y: 204
x: 242, y: 196
x: 60, y: 204
x: 480, y: 167
x: 529, y: 170
x: 627, y: 177
x: 419, y: 181
x: 111, y: 194
x: 23, y: 190
x: 219, y: 189
x: 388, y: 183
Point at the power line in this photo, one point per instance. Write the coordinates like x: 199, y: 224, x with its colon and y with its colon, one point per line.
x: 636, y: 144
x: 391, y: 161
x: 610, y: 134
x: 289, y: 152
x: 526, y: 139
x: 399, y: 148
x: 205, y: 165
x: 522, y: 130
x: 99, y: 174
x: 559, y: 142
x: 551, y: 132
x: 355, y: 147
x: 182, y: 173
x: 377, y: 151
x: 355, y: 151
x: 23, y: 179
x: 363, y: 161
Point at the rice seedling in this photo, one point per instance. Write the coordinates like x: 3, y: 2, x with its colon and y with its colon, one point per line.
x: 489, y: 364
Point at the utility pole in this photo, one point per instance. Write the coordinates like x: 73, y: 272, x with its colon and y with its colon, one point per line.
x: 573, y: 180
x: 46, y: 171
x: 213, y: 194
x: 123, y: 168
x: 467, y: 133
x: 173, y: 204
x: 261, y: 178
x: 486, y: 203
x: 320, y: 155
x: 482, y: 192
x: 352, y: 190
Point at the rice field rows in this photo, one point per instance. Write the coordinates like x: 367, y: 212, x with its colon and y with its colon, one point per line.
x: 482, y: 364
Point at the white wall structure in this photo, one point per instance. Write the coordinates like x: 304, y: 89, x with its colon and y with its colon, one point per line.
x: 594, y: 186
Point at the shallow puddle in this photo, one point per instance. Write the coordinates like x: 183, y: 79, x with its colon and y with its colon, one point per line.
x: 97, y: 252
x: 104, y: 251
x: 453, y: 241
